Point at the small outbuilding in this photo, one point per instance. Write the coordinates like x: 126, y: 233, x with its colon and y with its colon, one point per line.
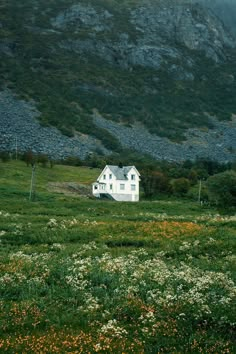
x: 120, y: 183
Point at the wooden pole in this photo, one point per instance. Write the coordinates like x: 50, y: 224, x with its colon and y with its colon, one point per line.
x: 199, y: 191
x: 16, y: 147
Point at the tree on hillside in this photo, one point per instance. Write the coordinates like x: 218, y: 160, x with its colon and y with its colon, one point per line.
x: 181, y: 186
x: 192, y: 177
x: 43, y: 159
x: 29, y: 158
x: 154, y: 182
x: 4, y: 156
x: 222, y: 188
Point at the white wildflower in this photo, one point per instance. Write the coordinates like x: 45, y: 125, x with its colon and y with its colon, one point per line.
x: 113, y: 330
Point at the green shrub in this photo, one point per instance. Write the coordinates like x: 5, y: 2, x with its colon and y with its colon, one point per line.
x: 181, y: 186
x: 222, y: 188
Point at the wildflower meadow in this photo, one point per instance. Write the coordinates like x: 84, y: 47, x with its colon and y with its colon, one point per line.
x: 79, y: 275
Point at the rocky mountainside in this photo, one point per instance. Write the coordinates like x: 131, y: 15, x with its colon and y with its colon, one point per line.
x: 225, y: 10
x: 154, y: 76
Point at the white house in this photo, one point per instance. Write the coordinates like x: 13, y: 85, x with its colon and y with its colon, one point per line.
x: 118, y: 183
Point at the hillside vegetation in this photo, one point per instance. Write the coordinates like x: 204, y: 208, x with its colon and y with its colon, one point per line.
x: 72, y: 58
x: 82, y: 275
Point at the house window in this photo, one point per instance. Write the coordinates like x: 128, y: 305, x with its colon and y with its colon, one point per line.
x: 122, y: 187
x: 104, y: 176
x: 133, y: 187
x: 95, y: 187
x: 111, y: 186
x: 110, y: 176
x: 133, y: 177
x: 103, y: 186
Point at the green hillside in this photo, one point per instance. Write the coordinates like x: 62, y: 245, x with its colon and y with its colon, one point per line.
x: 66, y: 85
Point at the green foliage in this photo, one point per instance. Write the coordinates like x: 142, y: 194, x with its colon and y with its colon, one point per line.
x: 193, y: 176
x: 181, y: 186
x: 42, y: 159
x: 29, y: 157
x: 4, y: 156
x: 154, y: 183
x: 72, y: 161
x: 222, y: 188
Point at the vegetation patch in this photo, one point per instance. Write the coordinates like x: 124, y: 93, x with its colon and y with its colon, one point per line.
x: 82, y: 275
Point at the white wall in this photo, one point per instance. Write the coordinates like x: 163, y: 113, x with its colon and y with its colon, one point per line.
x: 121, y: 189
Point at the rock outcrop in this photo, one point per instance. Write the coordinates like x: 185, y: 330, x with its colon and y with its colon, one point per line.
x: 159, y: 29
x: 225, y: 10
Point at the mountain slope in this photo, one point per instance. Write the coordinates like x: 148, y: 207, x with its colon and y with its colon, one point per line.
x: 165, y: 64
x: 225, y: 10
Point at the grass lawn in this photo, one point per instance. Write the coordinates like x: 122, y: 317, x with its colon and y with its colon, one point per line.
x: 79, y: 275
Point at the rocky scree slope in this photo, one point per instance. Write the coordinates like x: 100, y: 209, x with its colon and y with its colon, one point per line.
x: 164, y: 65
x: 22, y: 127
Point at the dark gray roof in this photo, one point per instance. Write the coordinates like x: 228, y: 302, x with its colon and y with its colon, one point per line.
x: 120, y: 172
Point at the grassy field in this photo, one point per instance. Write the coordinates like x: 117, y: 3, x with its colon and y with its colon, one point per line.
x: 79, y: 275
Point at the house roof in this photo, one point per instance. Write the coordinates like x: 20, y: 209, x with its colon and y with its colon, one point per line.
x: 120, y: 172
